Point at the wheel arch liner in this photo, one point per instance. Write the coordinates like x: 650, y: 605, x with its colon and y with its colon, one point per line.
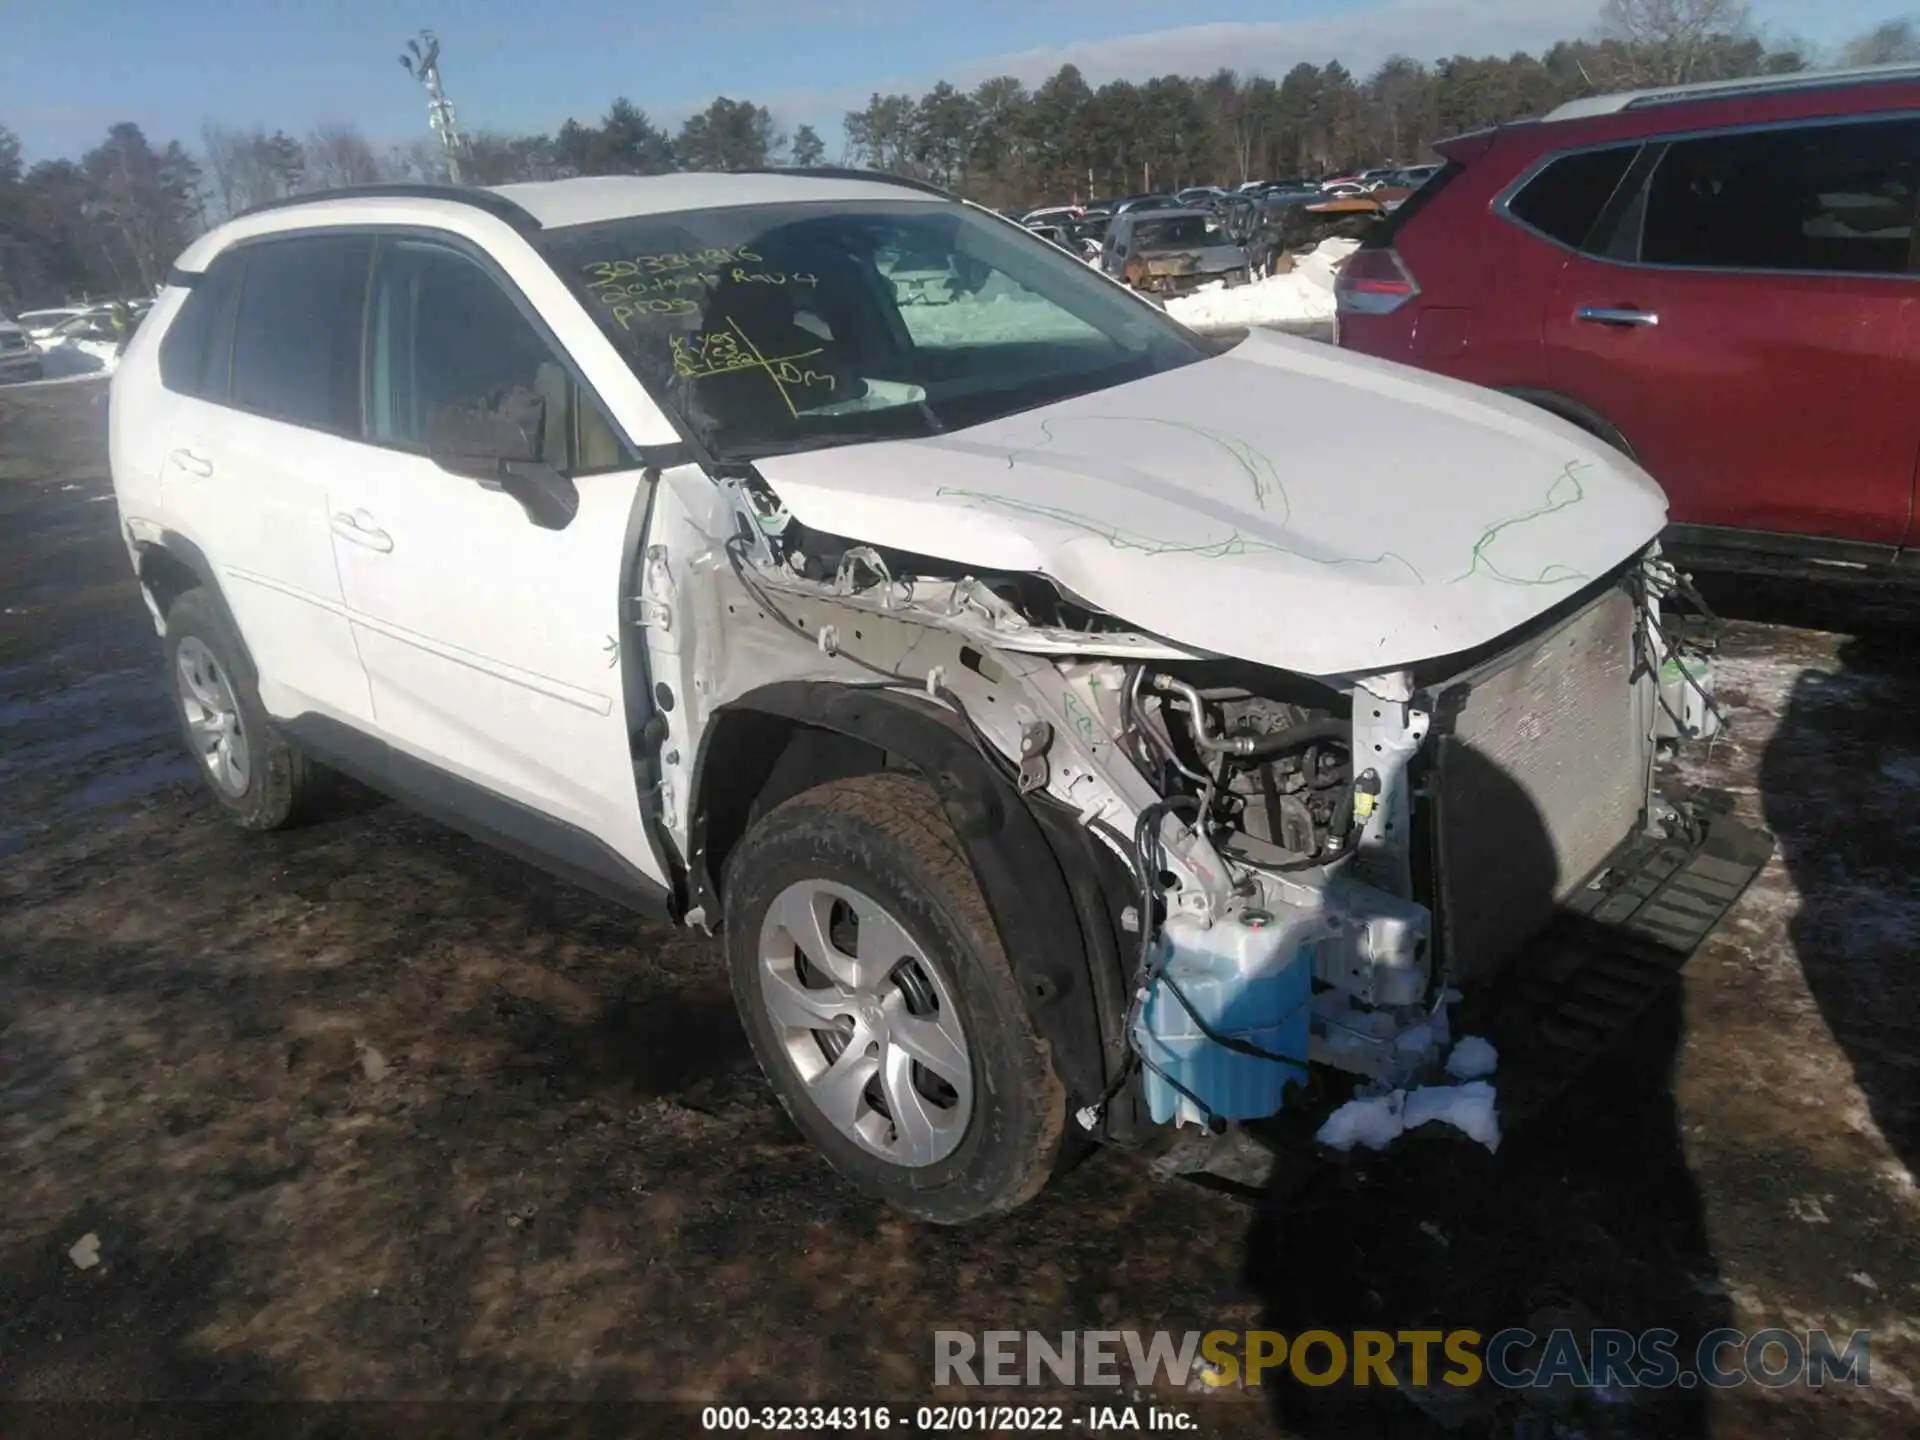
x: 1020, y: 871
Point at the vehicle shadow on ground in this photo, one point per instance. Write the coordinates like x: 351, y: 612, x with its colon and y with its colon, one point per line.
x: 1840, y: 786
x: 1586, y: 1218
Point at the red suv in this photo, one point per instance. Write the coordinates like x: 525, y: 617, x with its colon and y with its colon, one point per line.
x: 1721, y: 280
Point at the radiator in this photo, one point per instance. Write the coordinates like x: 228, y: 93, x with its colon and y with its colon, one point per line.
x: 1540, y: 771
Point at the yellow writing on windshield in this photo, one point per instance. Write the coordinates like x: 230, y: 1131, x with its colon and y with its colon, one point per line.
x: 772, y: 277
x: 612, y: 291
x: 725, y: 352
x: 606, y: 272
x: 626, y: 312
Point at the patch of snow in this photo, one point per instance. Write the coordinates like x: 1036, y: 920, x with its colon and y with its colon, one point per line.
x: 73, y: 358
x: 1376, y: 1121
x: 1472, y: 1059
x: 1471, y: 1108
x: 1302, y: 296
x: 85, y: 1252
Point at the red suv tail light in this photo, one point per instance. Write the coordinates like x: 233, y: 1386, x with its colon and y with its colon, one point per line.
x: 1373, y: 282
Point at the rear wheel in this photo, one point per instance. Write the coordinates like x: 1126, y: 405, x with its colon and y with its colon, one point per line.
x: 257, y: 775
x: 875, y: 992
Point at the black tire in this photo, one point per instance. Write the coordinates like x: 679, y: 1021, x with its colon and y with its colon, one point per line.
x: 283, y: 786
x: 886, y: 836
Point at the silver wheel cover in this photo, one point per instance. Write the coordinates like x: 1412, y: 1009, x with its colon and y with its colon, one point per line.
x: 867, y: 1023
x: 213, y: 717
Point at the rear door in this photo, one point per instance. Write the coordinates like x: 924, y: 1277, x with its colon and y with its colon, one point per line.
x: 494, y: 646
x: 1747, y: 319
x: 262, y: 367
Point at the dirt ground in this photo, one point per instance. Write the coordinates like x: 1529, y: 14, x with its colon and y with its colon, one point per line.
x: 367, y: 1111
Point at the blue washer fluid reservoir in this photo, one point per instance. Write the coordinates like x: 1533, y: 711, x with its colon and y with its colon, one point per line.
x: 1250, y: 977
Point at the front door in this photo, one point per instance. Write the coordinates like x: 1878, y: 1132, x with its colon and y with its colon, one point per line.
x: 495, y: 648
x: 1761, y: 356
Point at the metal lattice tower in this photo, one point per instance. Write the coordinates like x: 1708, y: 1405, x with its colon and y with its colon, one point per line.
x: 422, y: 61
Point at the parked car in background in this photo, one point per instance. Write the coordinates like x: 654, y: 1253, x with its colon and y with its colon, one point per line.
x: 1167, y: 252
x: 42, y: 323
x: 1048, y: 215
x: 90, y: 334
x: 1142, y: 202
x: 1719, y: 280
x: 1087, y: 235
x: 19, y: 355
x: 1200, y: 197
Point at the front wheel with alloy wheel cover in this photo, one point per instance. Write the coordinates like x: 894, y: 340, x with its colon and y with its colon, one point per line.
x: 257, y: 775
x: 874, y: 989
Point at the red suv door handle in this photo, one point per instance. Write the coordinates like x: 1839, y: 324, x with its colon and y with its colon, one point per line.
x: 1615, y: 315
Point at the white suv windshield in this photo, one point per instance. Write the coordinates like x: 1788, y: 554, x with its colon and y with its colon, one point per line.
x: 775, y: 328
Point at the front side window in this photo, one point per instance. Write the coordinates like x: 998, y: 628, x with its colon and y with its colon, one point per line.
x: 1565, y: 197
x: 774, y: 328
x: 296, y: 336
x: 1832, y: 198
x: 442, y: 332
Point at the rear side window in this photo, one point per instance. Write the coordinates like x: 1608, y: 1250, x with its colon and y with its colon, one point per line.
x: 1829, y: 198
x: 1565, y: 198
x: 196, y: 350
x: 296, y: 338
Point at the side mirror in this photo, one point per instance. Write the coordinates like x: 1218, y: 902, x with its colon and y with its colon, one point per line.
x: 501, y: 449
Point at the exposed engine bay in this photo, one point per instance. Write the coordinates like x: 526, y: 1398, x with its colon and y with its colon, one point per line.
x: 1316, y: 859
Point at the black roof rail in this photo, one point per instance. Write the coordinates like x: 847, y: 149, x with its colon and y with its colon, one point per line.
x: 848, y: 172
x: 492, y: 202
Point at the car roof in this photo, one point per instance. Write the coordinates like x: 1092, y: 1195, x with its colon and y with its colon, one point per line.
x: 532, y: 207
x: 1181, y: 213
x: 1756, y: 85
x: 546, y: 204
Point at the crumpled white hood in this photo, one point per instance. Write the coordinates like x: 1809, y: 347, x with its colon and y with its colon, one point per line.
x: 1285, y: 503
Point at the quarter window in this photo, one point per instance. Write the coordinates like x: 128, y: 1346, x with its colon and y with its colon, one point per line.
x: 196, y: 351
x: 441, y: 331
x: 1566, y: 197
x: 1833, y: 198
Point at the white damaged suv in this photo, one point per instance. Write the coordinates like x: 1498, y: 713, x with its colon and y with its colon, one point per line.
x: 1068, y: 734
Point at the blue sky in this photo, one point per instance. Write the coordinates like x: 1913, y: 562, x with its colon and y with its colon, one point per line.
x: 68, y: 68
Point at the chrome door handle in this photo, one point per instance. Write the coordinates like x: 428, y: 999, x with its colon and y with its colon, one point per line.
x: 191, y: 463
x: 1615, y: 315
x: 361, y: 530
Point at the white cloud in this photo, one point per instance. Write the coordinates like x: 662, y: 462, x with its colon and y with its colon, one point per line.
x: 1360, y: 39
